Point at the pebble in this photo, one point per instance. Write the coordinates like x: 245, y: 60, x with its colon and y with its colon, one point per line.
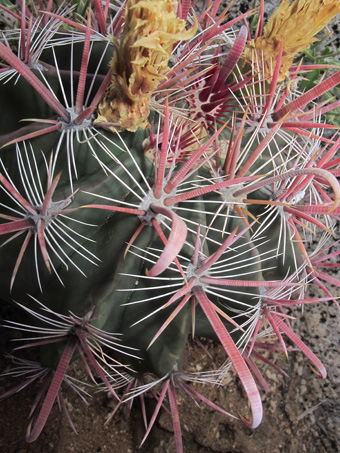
x: 300, y: 370
x: 312, y: 419
x: 273, y: 406
x: 303, y: 389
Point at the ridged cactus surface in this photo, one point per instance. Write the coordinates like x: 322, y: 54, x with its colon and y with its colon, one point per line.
x: 160, y: 179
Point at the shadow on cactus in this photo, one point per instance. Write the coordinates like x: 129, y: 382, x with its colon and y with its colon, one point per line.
x: 165, y: 186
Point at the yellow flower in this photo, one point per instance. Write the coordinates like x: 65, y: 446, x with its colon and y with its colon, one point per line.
x: 140, y: 62
x: 295, y: 26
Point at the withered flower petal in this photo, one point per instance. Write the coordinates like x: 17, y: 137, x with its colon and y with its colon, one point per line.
x: 140, y: 62
x: 295, y: 26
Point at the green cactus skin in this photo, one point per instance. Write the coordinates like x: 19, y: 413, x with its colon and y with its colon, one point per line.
x: 105, y: 192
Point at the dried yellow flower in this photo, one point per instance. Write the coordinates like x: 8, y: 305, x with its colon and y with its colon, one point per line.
x: 293, y: 25
x: 141, y: 61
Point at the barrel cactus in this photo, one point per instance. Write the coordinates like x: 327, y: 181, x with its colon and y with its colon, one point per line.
x: 164, y: 185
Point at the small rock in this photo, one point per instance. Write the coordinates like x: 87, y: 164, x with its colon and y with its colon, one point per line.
x: 273, y: 406
x: 303, y: 389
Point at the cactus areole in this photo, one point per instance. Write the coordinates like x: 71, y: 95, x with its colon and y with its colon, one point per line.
x: 162, y: 187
